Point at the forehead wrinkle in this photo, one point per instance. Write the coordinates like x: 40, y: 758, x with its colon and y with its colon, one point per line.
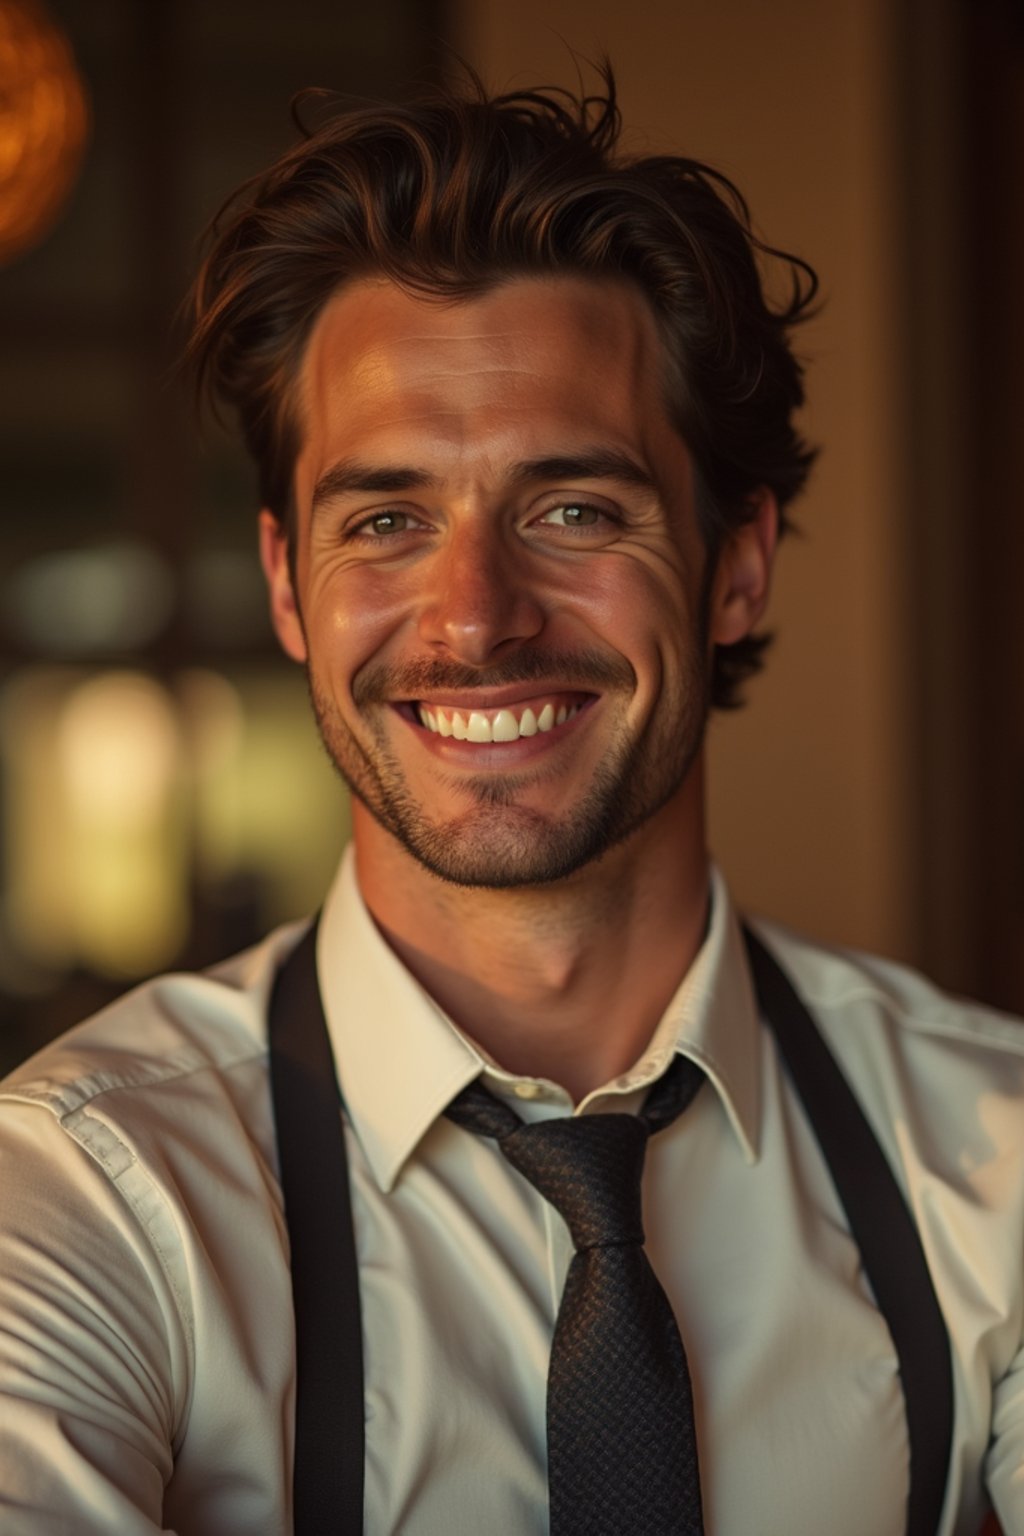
x: 431, y: 337
x: 387, y: 374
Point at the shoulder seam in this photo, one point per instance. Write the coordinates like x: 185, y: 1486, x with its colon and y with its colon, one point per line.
x: 69, y: 1098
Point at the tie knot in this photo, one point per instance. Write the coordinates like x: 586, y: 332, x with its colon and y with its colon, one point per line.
x: 590, y: 1168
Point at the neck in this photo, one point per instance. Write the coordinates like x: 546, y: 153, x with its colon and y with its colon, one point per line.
x: 565, y: 981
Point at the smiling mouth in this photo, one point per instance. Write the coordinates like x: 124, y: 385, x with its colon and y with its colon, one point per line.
x: 534, y: 718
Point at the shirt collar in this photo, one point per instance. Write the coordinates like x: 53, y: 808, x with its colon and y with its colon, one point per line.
x: 714, y: 1019
x: 401, y: 1060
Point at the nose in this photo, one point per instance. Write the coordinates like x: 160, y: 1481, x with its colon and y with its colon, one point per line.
x: 481, y: 601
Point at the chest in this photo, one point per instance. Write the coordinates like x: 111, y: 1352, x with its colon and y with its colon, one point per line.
x: 800, y: 1411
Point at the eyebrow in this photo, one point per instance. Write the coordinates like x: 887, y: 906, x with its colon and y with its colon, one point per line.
x: 350, y: 476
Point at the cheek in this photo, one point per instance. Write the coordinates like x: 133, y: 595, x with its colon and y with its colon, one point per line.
x: 642, y: 607
x: 353, y: 617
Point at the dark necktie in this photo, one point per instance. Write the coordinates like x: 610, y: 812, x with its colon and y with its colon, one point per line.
x: 622, y: 1452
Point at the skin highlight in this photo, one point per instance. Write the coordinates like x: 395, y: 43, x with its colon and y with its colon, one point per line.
x: 551, y: 893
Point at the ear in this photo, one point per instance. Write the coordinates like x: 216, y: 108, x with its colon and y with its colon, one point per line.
x: 284, y: 610
x: 743, y: 574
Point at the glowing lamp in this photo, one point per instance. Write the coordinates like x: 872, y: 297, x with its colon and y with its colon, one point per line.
x: 43, y: 121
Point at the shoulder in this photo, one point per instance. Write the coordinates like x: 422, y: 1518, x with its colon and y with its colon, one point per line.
x: 153, y: 1119
x: 170, y: 1078
x: 940, y: 1077
x: 852, y: 991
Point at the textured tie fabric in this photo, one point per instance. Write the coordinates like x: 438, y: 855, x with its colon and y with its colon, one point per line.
x: 622, y: 1452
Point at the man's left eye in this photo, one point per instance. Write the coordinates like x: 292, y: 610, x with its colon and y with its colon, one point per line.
x: 572, y: 514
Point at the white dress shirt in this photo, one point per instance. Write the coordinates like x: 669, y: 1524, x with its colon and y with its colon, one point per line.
x: 146, y: 1335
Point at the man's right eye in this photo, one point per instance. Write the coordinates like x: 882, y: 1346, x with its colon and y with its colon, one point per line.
x: 383, y: 523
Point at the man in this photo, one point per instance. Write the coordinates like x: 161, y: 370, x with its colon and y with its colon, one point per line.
x: 523, y: 420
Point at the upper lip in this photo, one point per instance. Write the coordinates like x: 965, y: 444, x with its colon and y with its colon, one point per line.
x: 497, y: 698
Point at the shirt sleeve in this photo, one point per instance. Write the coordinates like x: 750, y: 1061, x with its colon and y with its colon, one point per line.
x: 1004, y: 1465
x: 92, y: 1354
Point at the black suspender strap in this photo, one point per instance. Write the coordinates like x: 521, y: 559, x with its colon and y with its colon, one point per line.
x: 884, y: 1231
x: 329, y: 1449
x: 329, y: 1436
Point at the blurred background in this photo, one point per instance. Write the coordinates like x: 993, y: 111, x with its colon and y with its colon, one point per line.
x: 163, y: 798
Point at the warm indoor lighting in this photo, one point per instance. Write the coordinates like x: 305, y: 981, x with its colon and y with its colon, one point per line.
x: 43, y: 119
x: 118, y: 755
x: 120, y: 795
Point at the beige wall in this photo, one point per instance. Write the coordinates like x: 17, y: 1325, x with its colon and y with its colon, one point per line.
x: 811, y: 784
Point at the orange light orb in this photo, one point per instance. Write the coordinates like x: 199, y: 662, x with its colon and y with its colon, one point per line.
x: 43, y: 122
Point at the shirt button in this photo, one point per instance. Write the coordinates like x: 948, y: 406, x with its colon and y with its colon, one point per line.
x: 528, y: 1090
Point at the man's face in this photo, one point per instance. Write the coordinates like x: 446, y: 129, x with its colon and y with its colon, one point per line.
x: 501, y: 593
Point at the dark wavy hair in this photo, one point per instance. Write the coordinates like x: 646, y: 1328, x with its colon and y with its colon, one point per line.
x: 455, y: 191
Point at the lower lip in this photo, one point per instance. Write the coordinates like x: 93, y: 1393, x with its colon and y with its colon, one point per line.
x: 497, y: 753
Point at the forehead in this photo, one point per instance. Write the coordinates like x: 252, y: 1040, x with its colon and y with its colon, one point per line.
x: 532, y: 365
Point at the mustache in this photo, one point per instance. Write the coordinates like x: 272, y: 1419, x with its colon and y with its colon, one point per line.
x: 379, y: 683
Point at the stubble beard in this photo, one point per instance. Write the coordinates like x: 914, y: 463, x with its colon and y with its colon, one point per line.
x: 499, y: 842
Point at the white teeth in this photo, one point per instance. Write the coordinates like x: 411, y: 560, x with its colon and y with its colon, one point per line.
x: 479, y: 727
